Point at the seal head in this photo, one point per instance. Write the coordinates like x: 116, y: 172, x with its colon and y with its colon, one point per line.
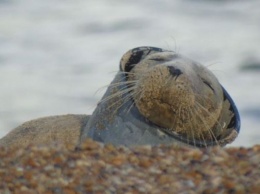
x: 161, y: 97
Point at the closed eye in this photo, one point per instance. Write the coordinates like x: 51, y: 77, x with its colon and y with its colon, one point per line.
x: 208, y: 84
x: 157, y: 59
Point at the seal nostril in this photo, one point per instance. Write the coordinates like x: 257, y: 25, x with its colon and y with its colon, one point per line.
x: 173, y: 71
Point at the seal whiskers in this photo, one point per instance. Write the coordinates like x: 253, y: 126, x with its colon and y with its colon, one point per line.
x: 208, y: 127
x: 126, y: 93
x: 201, y: 132
x: 124, y: 90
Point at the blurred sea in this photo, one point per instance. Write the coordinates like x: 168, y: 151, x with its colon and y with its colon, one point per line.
x: 56, y: 54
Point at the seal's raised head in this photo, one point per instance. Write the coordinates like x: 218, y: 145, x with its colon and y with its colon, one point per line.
x: 169, y: 93
x: 175, y: 93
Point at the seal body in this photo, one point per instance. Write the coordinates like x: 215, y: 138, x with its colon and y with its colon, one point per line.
x: 161, y: 97
x: 52, y: 130
x: 157, y: 97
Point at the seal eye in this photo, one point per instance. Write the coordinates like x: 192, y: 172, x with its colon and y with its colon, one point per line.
x: 134, y: 56
x: 208, y: 84
x: 157, y: 59
x: 133, y: 60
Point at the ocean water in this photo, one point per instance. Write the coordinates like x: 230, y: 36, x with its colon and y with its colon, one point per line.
x: 57, y: 56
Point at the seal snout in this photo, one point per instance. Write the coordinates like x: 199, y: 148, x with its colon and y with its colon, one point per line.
x: 174, y: 71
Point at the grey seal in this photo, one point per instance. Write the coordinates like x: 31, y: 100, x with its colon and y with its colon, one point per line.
x: 161, y: 97
x: 157, y: 97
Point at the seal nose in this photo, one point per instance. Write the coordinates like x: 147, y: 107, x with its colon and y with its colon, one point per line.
x: 174, y: 71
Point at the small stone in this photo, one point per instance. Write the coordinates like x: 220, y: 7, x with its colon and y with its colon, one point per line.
x: 145, y: 163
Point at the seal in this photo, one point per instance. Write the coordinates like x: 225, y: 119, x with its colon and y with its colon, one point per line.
x: 161, y: 97
x: 157, y: 97
x: 52, y: 130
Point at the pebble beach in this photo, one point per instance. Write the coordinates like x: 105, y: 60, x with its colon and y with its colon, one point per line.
x: 97, y: 168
